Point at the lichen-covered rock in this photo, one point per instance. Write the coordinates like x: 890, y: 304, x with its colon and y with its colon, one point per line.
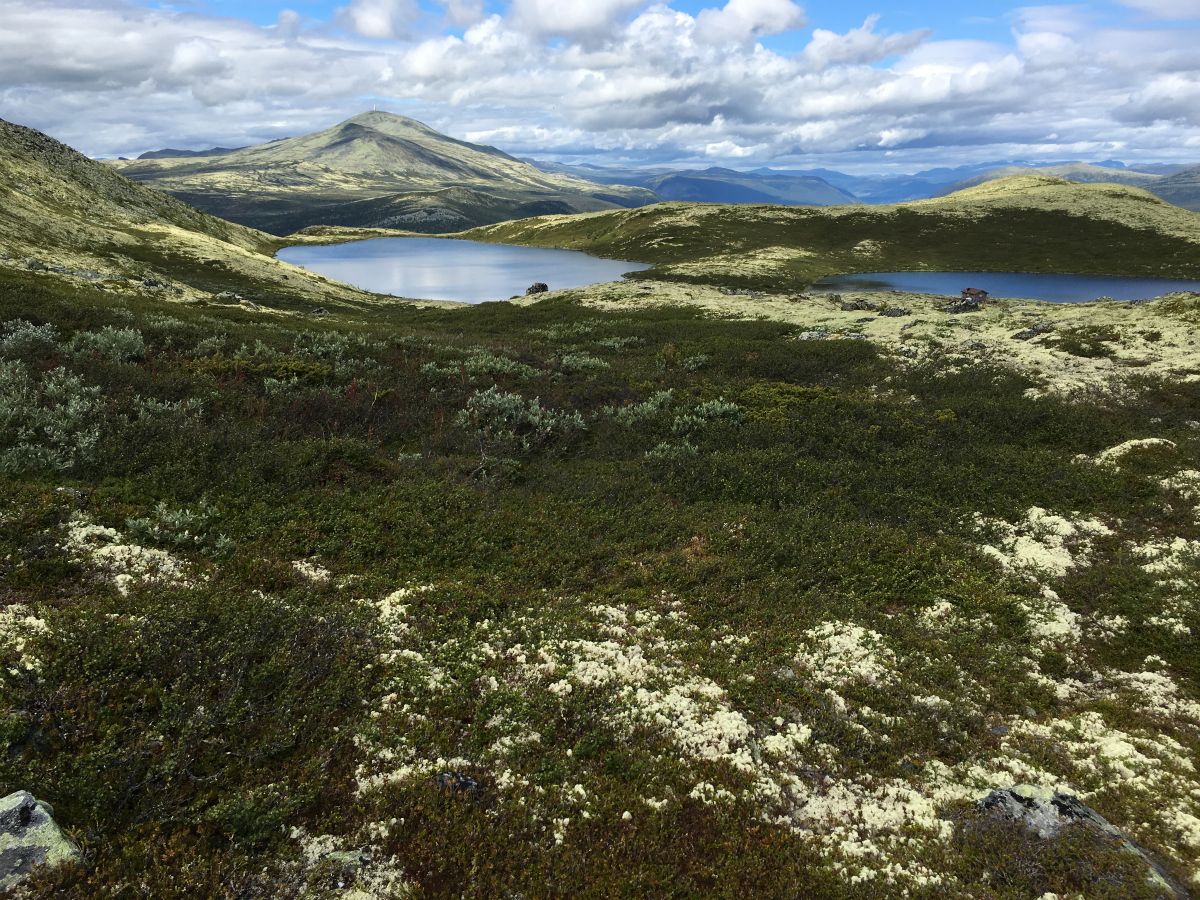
x: 1029, y: 334
x: 859, y: 306
x: 538, y: 287
x: 1046, y: 813
x: 29, y: 837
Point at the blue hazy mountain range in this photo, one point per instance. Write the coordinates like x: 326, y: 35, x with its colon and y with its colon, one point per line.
x: 823, y: 187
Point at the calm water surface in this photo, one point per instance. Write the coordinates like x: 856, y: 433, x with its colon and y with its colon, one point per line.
x: 1055, y: 288
x: 441, y: 269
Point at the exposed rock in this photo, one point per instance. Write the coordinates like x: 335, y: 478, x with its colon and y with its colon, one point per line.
x: 814, y: 336
x: 859, y: 306
x: 538, y: 287
x: 319, y: 311
x: 29, y: 837
x: 963, y: 305
x: 151, y: 282
x: 456, y: 784
x: 895, y: 312
x: 1046, y: 813
x: 1030, y: 333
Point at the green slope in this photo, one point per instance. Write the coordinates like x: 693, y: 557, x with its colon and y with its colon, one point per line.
x: 64, y: 214
x: 1028, y: 223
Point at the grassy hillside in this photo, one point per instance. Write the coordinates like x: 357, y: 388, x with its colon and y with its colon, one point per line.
x: 374, y: 170
x: 1082, y: 173
x: 69, y: 217
x: 1028, y: 223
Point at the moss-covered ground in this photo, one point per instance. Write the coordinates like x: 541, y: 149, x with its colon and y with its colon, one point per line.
x: 552, y: 600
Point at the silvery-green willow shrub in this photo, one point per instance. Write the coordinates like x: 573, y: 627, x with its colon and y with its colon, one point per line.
x: 638, y: 412
x: 187, y: 528
x: 707, y: 413
x: 504, y: 424
x: 20, y: 339
x: 480, y: 362
x: 666, y: 452
x: 115, y: 344
x: 581, y: 362
x: 49, y: 423
x: 346, y: 354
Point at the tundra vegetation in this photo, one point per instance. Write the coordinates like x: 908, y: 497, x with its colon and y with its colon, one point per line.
x: 594, y: 596
x: 692, y: 585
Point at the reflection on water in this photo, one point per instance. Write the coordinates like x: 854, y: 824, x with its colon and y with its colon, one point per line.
x: 1017, y: 285
x: 441, y: 269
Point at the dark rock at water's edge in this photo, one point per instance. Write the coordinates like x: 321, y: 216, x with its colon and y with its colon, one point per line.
x: 963, y: 305
x: 29, y: 837
x: 538, y: 287
x: 1047, y: 813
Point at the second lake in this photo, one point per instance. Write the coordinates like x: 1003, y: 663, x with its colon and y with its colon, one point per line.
x: 1013, y: 285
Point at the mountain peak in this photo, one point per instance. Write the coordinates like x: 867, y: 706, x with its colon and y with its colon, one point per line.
x: 377, y: 117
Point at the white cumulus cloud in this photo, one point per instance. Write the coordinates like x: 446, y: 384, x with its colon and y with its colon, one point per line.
x: 743, y: 20
x: 622, y: 78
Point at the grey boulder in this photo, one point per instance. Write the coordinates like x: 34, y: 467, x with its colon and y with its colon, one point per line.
x: 1046, y: 813
x: 29, y: 837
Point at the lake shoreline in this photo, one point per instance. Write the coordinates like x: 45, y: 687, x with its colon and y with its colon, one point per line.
x: 454, y: 271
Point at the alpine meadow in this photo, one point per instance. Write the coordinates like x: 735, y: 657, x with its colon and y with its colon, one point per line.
x: 774, y: 569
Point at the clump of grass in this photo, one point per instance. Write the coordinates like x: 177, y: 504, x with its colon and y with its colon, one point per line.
x: 1089, y: 342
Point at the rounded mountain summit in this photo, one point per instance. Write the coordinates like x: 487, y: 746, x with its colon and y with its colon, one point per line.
x: 376, y: 169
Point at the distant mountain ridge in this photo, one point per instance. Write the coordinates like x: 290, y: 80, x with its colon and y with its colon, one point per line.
x: 714, y: 184
x: 1181, y: 188
x: 822, y: 186
x: 171, y: 153
x: 376, y: 169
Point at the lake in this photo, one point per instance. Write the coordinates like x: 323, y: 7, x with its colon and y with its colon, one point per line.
x: 1026, y: 286
x: 442, y: 269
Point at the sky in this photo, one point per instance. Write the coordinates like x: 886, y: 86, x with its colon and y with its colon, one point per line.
x: 860, y: 85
